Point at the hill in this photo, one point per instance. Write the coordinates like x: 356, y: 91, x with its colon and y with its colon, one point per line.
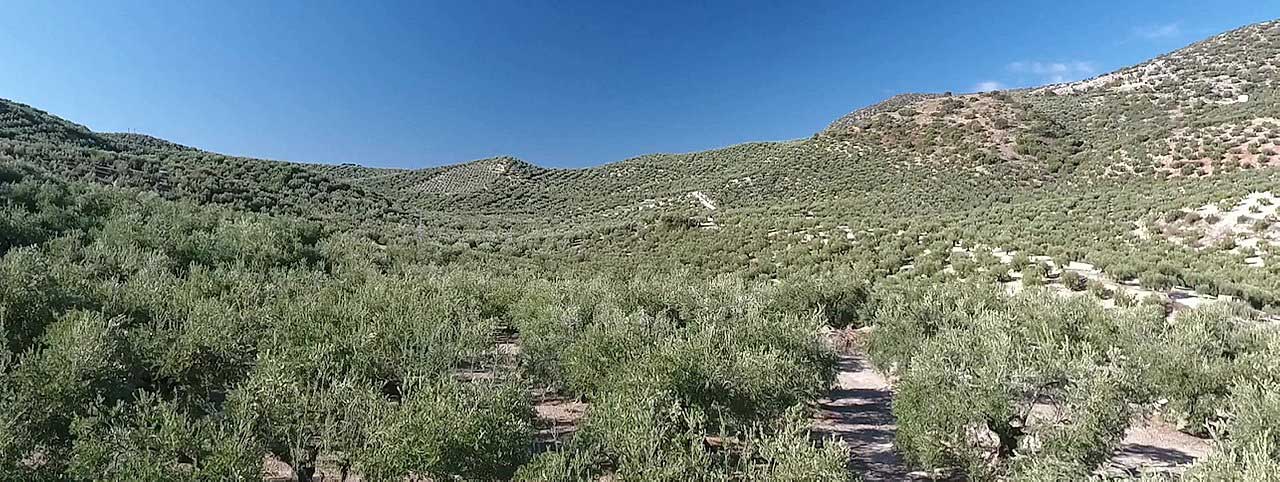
x: 1120, y: 152
x: 178, y: 172
x: 1201, y: 109
x: 1206, y: 113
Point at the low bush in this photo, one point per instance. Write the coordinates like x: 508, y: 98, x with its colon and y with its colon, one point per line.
x: 967, y: 382
x: 449, y: 429
x: 1034, y: 275
x: 1073, y: 280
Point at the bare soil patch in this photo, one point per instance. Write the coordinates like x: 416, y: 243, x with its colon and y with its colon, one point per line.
x: 859, y: 410
x: 1153, y: 446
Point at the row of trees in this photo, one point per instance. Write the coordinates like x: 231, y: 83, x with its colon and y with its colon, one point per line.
x: 144, y: 336
x: 150, y: 339
x: 1042, y: 387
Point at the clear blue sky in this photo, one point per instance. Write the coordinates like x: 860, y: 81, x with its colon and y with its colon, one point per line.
x: 415, y: 84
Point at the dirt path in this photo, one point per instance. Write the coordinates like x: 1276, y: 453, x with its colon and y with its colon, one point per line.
x: 1155, y: 447
x: 558, y: 418
x: 859, y: 410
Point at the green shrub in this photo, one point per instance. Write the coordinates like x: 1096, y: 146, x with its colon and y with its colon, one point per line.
x: 1097, y: 415
x: 1019, y: 261
x: 1034, y: 275
x: 449, y: 429
x: 964, y: 371
x: 1157, y: 281
x: 1125, y: 299
x: 1098, y: 289
x: 647, y: 436
x: 153, y: 439
x: 1073, y: 280
x: 30, y: 296
x: 1251, y: 449
x: 1195, y: 366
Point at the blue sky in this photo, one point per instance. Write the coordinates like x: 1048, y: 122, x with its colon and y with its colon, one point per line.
x: 416, y: 84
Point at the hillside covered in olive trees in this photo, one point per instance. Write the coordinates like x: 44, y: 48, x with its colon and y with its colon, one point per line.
x: 1022, y: 284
